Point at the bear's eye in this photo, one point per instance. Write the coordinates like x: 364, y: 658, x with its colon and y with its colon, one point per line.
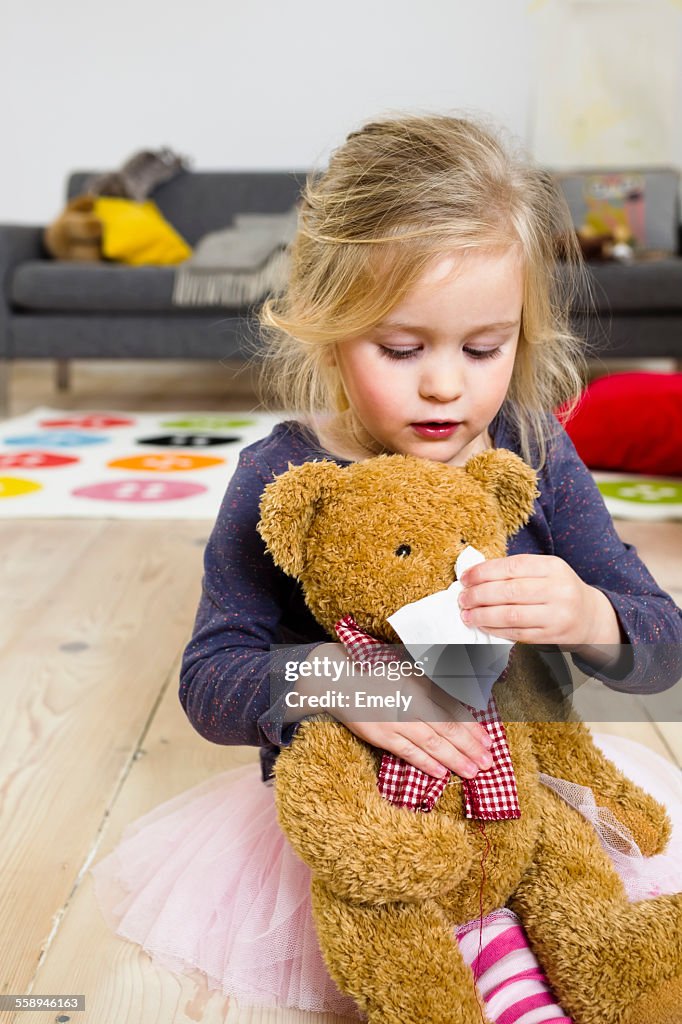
x: 403, y: 551
x: 463, y: 540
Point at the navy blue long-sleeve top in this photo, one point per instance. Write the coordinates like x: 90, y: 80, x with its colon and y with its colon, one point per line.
x: 232, y: 684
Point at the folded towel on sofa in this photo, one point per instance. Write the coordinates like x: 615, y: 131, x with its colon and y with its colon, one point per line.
x: 238, y: 265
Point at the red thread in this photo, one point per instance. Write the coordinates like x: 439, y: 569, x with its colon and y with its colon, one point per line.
x: 484, y: 854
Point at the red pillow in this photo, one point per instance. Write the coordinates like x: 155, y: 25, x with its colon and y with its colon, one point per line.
x: 630, y: 421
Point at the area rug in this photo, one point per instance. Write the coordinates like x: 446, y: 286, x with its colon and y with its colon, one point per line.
x: 177, y: 465
x: 628, y: 496
x: 122, y: 465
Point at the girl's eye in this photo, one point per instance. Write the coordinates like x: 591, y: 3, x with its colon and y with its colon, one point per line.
x: 397, y: 353
x: 482, y: 353
x: 408, y: 353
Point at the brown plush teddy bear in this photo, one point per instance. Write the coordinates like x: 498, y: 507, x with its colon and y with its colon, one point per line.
x: 389, y: 884
x: 76, y: 234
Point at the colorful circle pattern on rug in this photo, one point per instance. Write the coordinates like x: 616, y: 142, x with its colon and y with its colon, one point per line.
x: 93, y: 421
x: 165, y: 462
x: 35, y: 460
x: 188, y: 440
x: 123, y: 464
x: 16, y: 487
x: 645, y: 492
x: 208, y: 423
x: 56, y: 439
x: 139, y: 490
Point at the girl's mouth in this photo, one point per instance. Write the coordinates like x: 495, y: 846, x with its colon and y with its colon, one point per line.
x: 435, y: 429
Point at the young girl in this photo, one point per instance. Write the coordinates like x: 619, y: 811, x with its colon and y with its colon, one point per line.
x: 424, y: 314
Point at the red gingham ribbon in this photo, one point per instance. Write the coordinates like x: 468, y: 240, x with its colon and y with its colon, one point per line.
x: 491, y: 796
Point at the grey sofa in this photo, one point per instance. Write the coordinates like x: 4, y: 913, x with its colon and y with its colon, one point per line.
x: 62, y: 311
x: 637, y: 311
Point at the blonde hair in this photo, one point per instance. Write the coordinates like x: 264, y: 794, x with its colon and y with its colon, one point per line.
x: 397, y: 194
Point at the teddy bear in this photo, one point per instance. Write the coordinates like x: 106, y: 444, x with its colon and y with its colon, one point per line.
x: 389, y: 884
x: 76, y: 234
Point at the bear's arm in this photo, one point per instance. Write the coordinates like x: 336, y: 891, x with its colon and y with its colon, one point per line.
x: 567, y: 751
x: 564, y: 747
x: 358, y: 843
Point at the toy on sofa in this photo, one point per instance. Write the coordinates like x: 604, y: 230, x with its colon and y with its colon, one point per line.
x: 389, y: 884
x: 76, y: 234
x: 140, y: 175
x: 81, y: 231
x: 606, y: 244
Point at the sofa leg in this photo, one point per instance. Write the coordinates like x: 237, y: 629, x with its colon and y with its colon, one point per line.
x: 4, y: 387
x: 63, y: 374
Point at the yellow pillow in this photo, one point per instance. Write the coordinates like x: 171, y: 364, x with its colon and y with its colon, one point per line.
x: 138, y: 234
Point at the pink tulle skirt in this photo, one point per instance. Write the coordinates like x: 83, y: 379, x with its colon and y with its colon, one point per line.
x: 207, y: 881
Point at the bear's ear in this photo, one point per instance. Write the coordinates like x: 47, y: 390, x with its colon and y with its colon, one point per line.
x: 512, y: 482
x: 288, y: 507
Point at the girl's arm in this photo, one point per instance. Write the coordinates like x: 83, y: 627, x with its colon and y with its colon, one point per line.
x: 568, y: 579
x: 583, y: 533
x: 232, y: 687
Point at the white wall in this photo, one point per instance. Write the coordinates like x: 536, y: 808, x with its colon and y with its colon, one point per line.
x: 263, y: 83
x: 254, y: 83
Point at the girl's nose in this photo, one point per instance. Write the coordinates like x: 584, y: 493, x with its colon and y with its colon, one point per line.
x: 441, y: 381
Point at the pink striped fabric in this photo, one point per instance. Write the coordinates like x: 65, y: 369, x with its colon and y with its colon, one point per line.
x: 507, y: 975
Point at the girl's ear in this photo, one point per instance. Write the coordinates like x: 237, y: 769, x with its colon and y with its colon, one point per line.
x: 512, y: 482
x: 288, y: 507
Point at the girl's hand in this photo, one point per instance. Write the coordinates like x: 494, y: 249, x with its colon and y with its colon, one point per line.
x: 436, y: 747
x: 438, y: 735
x: 537, y: 599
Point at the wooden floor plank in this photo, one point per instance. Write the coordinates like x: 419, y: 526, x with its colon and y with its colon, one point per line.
x: 632, y: 716
x: 671, y: 735
x: 79, y: 684
x: 38, y: 556
x: 143, y: 385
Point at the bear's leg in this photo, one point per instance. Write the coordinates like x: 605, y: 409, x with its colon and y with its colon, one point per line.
x: 608, y: 960
x: 400, y: 962
x: 568, y: 751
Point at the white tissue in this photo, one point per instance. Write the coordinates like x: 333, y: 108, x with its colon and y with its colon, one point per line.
x: 429, y: 626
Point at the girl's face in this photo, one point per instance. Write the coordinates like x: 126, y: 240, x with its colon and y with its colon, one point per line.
x: 429, y: 378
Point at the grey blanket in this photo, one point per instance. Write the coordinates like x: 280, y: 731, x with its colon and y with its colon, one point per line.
x: 238, y: 265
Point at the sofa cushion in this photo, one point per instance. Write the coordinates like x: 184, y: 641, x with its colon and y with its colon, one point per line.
x: 92, y: 287
x: 137, y: 234
x: 50, y: 285
x: 653, y: 286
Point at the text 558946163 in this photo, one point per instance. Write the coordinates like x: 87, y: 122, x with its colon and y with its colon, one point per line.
x: 35, y: 1002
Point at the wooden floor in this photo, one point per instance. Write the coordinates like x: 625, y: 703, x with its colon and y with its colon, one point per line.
x: 96, y: 615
